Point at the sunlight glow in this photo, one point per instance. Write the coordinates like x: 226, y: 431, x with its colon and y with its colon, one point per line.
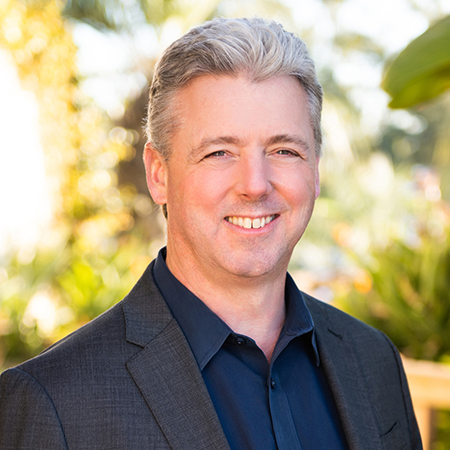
x: 24, y: 200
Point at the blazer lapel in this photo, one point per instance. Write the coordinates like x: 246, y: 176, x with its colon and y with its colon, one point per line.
x: 167, y: 373
x: 346, y: 381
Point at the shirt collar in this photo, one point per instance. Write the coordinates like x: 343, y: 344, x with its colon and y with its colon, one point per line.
x: 206, y: 332
x: 298, y: 319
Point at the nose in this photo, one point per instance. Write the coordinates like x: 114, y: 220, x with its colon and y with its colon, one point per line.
x: 253, y: 181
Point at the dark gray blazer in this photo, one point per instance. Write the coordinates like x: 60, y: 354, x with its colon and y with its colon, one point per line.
x: 128, y: 380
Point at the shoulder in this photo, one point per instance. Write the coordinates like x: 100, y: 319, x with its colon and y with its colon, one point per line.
x: 92, y: 342
x: 337, y: 318
x: 83, y: 382
x: 134, y: 320
x: 39, y: 394
x: 107, y: 342
x: 366, y: 365
x: 364, y: 338
x: 342, y: 337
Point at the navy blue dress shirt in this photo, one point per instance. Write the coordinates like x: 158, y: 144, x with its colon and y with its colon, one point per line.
x: 284, y: 405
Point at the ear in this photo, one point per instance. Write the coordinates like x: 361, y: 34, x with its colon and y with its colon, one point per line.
x: 317, y: 177
x: 156, y: 174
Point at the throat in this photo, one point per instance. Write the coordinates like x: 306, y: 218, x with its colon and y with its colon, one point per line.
x: 259, y: 319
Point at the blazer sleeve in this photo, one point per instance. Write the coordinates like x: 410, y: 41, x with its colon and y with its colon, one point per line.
x: 28, y: 418
x: 416, y: 441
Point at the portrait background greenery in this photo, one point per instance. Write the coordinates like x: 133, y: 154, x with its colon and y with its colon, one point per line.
x: 378, y: 245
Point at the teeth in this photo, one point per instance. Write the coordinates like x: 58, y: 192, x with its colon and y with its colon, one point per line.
x: 248, y: 223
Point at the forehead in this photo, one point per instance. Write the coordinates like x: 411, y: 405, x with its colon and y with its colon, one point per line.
x: 213, y: 107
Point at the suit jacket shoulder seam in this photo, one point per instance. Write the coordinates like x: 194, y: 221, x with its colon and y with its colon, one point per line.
x: 42, y: 388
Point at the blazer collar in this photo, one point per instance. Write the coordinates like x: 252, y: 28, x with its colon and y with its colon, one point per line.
x: 346, y: 380
x: 166, y: 372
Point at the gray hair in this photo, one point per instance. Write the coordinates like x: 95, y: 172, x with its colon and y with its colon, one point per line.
x: 257, y: 48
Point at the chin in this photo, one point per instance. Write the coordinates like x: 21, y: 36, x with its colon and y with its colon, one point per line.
x: 249, y: 269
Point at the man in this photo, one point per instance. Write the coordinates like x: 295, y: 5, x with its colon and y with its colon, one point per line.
x: 215, y: 347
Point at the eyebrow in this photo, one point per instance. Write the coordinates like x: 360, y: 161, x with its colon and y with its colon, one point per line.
x: 287, y: 139
x: 205, y: 143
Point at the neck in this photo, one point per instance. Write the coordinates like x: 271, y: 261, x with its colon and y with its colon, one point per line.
x: 254, y: 307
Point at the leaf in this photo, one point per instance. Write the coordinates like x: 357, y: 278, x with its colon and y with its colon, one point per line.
x: 422, y: 70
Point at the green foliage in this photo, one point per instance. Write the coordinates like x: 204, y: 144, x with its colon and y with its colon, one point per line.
x: 422, y: 70
x: 61, y: 289
x: 408, y: 296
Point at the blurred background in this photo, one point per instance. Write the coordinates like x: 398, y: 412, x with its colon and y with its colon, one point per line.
x: 77, y: 226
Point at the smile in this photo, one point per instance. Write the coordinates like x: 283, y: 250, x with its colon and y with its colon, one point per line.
x: 247, y: 222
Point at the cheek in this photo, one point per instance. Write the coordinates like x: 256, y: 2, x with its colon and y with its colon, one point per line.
x: 298, y: 187
x: 209, y: 186
x: 199, y: 191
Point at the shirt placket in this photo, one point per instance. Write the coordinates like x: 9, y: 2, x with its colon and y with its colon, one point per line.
x: 283, y: 424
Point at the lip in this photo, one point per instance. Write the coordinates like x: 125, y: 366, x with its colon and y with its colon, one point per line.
x: 251, y: 223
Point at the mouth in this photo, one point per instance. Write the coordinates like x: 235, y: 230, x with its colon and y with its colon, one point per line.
x: 247, y: 222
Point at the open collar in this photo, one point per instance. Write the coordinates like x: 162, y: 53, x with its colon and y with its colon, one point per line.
x: 206, y: 332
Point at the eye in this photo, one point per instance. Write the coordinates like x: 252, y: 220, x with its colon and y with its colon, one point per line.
x: 216, y: 154
x: 284, y: 151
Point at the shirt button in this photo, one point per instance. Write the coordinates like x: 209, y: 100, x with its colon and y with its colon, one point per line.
x: 240, y: 341
x: 273, y: 384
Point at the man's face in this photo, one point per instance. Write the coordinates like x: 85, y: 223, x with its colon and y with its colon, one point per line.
x: 242, y: 178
